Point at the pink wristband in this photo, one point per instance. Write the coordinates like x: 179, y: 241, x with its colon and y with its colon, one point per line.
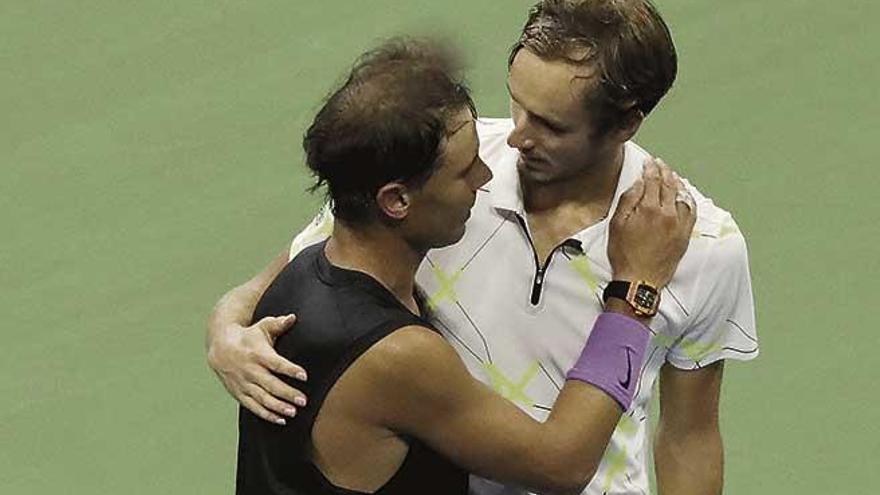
x: 612, y: 357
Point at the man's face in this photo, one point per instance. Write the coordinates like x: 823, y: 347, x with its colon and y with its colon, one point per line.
x: 553, y: 130
x: 440, y: 208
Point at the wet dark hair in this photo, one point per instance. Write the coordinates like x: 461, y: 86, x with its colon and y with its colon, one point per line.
x: 626, y: 41
x: 385, y: 124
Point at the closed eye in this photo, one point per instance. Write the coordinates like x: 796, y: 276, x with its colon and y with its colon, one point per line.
x: 545, y: 122
x: 550, y: 126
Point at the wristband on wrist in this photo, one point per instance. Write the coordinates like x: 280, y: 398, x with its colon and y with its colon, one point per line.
x: 612, y: 357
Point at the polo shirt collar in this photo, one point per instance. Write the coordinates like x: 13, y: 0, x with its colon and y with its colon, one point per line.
x: 505, y: 190
x: 633, y: 164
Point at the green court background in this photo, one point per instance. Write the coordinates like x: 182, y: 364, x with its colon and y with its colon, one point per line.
x: 150, y: 160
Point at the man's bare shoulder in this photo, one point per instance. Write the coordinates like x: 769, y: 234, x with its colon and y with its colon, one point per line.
x: 411, y: 372
x: 409, y: 349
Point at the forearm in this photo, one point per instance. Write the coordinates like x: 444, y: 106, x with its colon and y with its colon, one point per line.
x: 571, y: 443
x: 236, y: 307
x: 585, y: 416
x: 689, y: 463
x: 568, y: 447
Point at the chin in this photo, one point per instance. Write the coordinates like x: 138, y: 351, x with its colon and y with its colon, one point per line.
x: 536, y: 171
x: 453, y: 237
x: 537, y: 176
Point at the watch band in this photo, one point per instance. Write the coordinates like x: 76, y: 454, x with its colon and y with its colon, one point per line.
x: 616, y: 288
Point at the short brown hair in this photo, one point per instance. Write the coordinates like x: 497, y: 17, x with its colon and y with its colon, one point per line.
x: 625, y: 40
x: 385, y: 123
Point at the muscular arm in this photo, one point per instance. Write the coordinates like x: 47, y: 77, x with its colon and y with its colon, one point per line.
x: 245, y: 365
x: 237, y: 305
x: 242, y: 355
x: 688, y: 452
x: 416, y: 384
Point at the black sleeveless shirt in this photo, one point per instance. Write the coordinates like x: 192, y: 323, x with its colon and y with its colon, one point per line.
x: 340, y: 314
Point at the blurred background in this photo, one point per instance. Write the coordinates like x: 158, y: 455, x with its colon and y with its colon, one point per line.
x: 150, y: 159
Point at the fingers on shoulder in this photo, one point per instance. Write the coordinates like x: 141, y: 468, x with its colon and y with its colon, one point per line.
x: 629, y: 200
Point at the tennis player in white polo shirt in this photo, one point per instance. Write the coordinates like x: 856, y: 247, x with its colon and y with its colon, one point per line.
x: 517, y: 295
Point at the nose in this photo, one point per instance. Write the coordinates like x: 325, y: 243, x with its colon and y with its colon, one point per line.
x: 484, y: 175
x: 519, y: 138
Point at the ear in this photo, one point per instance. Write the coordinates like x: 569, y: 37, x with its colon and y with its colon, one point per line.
x: 630, y: 125
x: 393, y: 200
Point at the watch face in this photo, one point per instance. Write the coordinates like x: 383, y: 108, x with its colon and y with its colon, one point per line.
x: 646, y: 298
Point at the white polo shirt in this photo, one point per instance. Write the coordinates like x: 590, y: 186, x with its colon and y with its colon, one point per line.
x: 520, y: 329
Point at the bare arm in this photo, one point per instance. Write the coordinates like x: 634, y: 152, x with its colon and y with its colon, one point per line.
x: 688, y: 451
x: 427, y: 392
x: 242, y: 355
x: 418, y: 385
x: 245, y: 365
x: 237, y: 305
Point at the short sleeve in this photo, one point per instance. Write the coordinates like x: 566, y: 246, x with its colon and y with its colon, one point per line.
x: 316, y: 231
x: 723, y: 322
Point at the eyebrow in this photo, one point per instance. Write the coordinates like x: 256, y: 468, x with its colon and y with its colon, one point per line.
x: 552, y: 122
x: 460, y: 127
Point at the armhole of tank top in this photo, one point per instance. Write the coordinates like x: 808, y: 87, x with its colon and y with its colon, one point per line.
x: 361, y: 346
x: 348, y: 358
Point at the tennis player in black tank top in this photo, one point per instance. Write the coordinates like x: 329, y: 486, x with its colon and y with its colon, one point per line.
x: 340, y: 314
x: 392, y: 409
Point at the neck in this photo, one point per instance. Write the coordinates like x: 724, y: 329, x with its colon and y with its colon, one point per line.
x: 592, y: 187
x: 379, y: 253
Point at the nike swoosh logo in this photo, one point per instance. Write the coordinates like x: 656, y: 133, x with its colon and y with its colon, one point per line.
x: 625, y: 383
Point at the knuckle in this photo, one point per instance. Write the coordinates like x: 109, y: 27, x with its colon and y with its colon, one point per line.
x: 278, y: 364
x: 263, y: 397
x: 272, y: 403
x: 668, y: 220
x: 251, y: 355
x: 254, y: 407
x: 253, y: 390
x: 248, y: 375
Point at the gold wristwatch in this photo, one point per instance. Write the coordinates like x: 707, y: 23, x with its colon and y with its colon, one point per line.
x: 642, y: 296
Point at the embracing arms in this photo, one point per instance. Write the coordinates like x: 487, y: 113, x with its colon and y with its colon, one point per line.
x: 443, y: 404
x: 242, y: 356
x: 413, y: 383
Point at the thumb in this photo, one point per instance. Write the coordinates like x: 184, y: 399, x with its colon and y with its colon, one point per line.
x: 275, y: 326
